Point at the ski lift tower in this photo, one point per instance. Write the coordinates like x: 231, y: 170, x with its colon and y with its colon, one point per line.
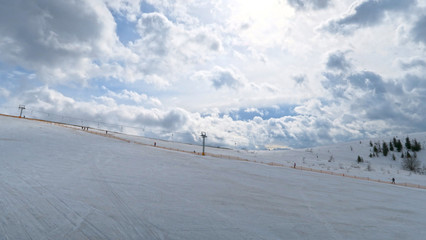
x: 204, y: 135
x: 22, y: 107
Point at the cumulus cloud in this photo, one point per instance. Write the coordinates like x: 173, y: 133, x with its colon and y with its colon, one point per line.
x: 154, y: 29
x: 301, y: 130
x: 130, y: 8
x: 309, y: 4
x: 166, y: 48
x: 170, y: 120
x: 156, y: 80
x: 50, y: 104
x: 296, y: 131
x: 59, y: 40
x: 340, y: 83
x: 368, y: 81
x: 134, y: 97
x: 418, y: 32
x: 162, y: 36
x: 338, y: 61
x: 366, y: 14
x: 221, y: 77
x: 414, y: 84
x: 335, y: 83
x: 129, y: 95
x: 269, y: 56
x: 300, y: 79
x: 413, y: 63
x: 76, y: 41
x: 365, y: 100
x: 253, y: 110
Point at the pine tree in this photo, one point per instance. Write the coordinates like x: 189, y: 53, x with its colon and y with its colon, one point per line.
x: 379, y: 147
x: 408, y: 155
x: 407, y: 143
x: 359, y: 159
x: 391, y: 146
x: 398, y: 145
x: 393, y: 157
x: 385, y: 149
x: 375, y: 150
x: 416, y: 146
x: 371, y: 144
x: 394, y: 141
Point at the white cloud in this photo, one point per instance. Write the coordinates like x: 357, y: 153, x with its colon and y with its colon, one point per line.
x: 44, y: 100
x: 107, y: 101
x: 134, y: 96
x: 220, y: 77
x: 56, y: 39
x: 258, y: 24
x: 252, y: 110
x: 157, y: 81
x: 129, y: 8
x: 418, y: 31
x: 337, y: 61
x: 412, y: 63
x: 129, y: 95
x: 365, y: 14
x: 166, y: 51
x: 190, y: 64
x: 307, y: 4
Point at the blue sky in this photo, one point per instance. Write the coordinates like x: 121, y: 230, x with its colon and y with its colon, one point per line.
x: 252, y: 74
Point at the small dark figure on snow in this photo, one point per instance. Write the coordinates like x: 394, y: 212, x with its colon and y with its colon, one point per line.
x: 294, y: 165
x: 393, y: 180
x: 155, y: 144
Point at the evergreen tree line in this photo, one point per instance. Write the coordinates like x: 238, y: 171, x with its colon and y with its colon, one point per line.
x: 408, y: 152
x: 395, y: 145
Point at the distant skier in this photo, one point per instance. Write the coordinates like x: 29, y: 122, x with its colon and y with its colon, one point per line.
x: 393, y: 180
x: 155, y: 144
x: 294, y: 165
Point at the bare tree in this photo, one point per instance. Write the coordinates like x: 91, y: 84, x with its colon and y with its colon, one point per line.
x: 410, y: 163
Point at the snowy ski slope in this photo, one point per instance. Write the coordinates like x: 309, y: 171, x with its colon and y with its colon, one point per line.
x: 64, y: 183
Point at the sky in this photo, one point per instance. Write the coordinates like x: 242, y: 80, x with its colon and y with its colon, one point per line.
x: 251, y: 74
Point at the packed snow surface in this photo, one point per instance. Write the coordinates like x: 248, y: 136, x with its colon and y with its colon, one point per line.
x: 64, y: 183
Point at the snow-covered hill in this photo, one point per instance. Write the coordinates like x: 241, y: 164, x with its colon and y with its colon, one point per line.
x: 64, y: 183
x: 339, y: 158
x: 342, y: 158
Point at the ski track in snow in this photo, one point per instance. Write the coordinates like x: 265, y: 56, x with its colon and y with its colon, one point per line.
x: 130, y: 222
x: 333, y: 233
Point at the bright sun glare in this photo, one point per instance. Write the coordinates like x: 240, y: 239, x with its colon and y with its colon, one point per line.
x: 261, y: 18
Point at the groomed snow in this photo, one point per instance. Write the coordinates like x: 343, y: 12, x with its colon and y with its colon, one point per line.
x: 63, y: 183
